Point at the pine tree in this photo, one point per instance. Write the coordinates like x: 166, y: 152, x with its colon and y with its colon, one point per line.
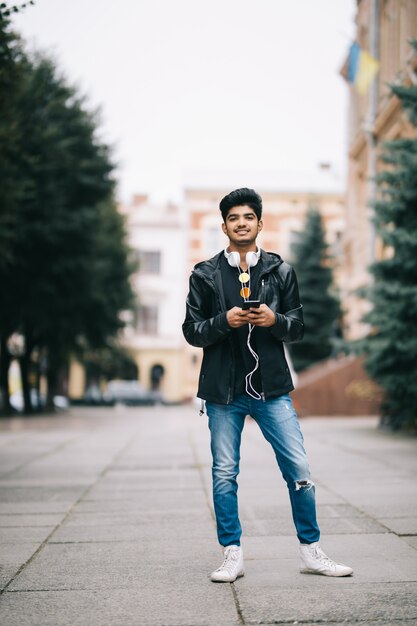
x: 321, y: 308
x: 64, y: 268
x: 391, y: 348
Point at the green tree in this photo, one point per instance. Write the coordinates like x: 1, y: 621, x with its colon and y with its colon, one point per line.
x: 65, y: 278
x: 321, y: 307
x: 13, y: 65
x: 391, y: 348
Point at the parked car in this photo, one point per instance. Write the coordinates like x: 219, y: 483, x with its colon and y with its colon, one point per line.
x: 130, y: 393
x: 16, y: 400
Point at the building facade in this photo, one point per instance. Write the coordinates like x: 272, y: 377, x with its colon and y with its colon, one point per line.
x: 153, y: 337
x: 383, y: 28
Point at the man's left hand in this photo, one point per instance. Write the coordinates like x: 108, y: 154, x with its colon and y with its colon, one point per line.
x: 262, y: 316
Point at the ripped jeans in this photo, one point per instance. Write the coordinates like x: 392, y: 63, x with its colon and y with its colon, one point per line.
x: 278, y: 422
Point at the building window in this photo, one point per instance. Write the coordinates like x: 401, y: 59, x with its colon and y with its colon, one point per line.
x: 293, y: 240
x: 213, y: 240
x: 149, y: 262
x: 147, y: 320
x: 336, y: 249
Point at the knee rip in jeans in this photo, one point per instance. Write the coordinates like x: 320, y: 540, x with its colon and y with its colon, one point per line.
x: 303, y: 484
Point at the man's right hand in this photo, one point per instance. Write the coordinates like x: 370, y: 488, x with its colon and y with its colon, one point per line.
x: 237, y: 317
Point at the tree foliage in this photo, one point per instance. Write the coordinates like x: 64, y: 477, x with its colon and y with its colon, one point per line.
x: 391, y: 348
x: 321, y: 307
x: 64, y: 266
x: 7, y: 9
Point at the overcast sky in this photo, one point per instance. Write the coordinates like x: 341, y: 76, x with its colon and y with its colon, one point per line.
x: 187, y: 85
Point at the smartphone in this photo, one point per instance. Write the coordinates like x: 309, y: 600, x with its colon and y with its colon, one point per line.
x: 251, y: 303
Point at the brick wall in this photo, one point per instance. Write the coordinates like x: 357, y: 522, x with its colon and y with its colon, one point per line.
x: 337, y: 387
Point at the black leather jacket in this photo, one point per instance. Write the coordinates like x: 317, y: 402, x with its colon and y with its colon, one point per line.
x: 206, y: 326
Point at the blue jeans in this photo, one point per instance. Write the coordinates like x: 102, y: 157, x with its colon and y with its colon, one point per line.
x: 278, y: 422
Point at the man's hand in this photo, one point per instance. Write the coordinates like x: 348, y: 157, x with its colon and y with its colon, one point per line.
x: 237, y: 317
x: 262, y: 316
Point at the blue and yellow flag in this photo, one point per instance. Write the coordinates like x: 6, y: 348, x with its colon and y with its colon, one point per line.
x: 361, y: 69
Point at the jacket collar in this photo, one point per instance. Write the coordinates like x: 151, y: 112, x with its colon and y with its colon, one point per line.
x: 207, y: 269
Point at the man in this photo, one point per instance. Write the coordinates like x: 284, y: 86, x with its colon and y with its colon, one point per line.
x: 242, y: 305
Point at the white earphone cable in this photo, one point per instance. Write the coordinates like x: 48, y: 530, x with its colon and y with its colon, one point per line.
x: 248, y: 378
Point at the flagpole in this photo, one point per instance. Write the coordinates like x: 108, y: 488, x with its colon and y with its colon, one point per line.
x: 370, y: 124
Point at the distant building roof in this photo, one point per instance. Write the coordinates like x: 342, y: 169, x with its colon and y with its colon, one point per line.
x: 323, y: 180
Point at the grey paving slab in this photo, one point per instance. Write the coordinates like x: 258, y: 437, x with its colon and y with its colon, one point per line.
x: 275, y: 512
x: 148, y: 604
x: 400, y: 525
x: 411, y: 540
x: 175, y: 518
x: 161, y: 499
x: 402, y: 508
x: 60, y: 493
x: 35, y: 508
x: 23, y: 535
x: 169, y: 506
x: 378, y: 622
x: 337, y: 603
x: 133, y: 532
x: 150, y: 479
x: 23, y: 521
x: 374, y: 558
x: 116, y: 565
x: 341, y: 526
x: 12, y: 557
x: 56, y: 476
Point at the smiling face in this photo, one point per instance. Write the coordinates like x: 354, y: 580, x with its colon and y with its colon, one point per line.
x: 242, y: 227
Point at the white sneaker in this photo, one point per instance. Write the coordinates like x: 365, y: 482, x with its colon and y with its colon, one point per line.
x: 314, y: 561
x: 232, y: 566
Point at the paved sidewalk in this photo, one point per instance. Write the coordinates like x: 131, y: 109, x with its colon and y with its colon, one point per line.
x: 106, y: 520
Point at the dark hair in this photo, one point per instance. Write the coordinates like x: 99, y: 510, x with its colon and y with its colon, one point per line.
x: 241, y: 197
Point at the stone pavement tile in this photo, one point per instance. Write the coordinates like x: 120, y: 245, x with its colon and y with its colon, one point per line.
x: 122, y: 565
x: 50, y: 477
x: 261, y: 498
x: 12, y: 459
x: 340, y: 526
x: 29, y: 534
x: 60, y: 493
x: 369, y: 491
x: 150, y: 479
x: 259, y: 495
x: 335, y: 603
x: 134, y: 532
x: 91, y: 459
x: 400, y: 525
x: 327, y: 495
x: 273, y: 511
x: 11, y: 558
x: 35, y: 508
x: 150, y: 603
x: 269, y: 547
x: 23, y: 521
x: 169, y: 506
x: 355, y: 622
x: 338, y: 511
x: 404, y: 508
x: 126, y: 517
x: 412, y: 541
x: 374, y: 558
x: 146, y: 499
